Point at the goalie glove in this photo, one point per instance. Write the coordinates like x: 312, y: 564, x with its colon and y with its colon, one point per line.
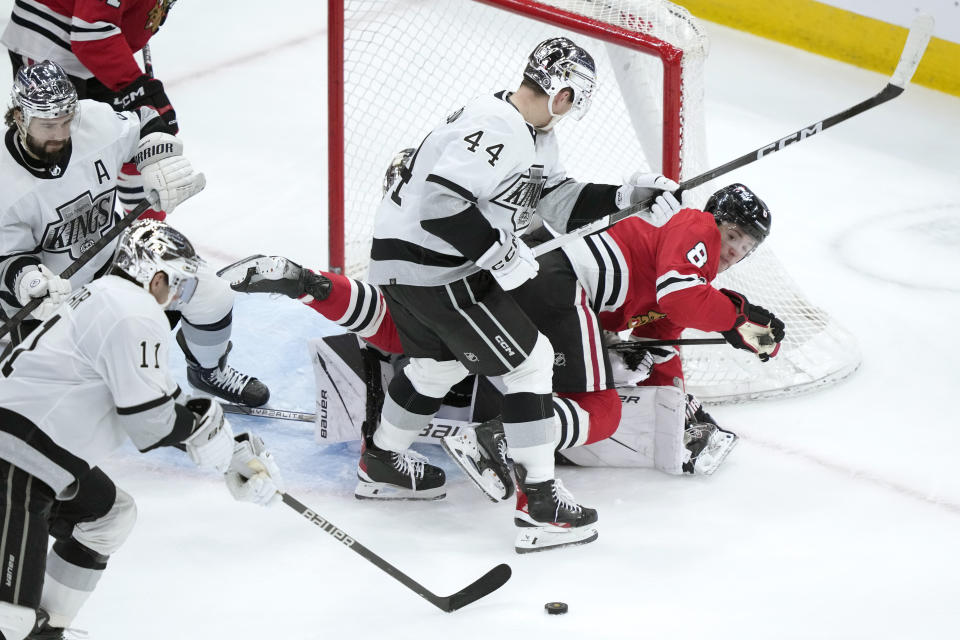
x: 641, y: 186
x: 755, y: 328
x: 253, y: 475
x: 632, y: 363
x: 166, y: 172
x: 211, y: 443
x: 275, y: 274
x: 510, y: 261
x: 37, y: 281
x: 630, y: 367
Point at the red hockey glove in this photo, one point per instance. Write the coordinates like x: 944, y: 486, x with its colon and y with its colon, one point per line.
x: 755, y: 328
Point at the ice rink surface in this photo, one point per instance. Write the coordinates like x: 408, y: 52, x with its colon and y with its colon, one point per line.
x: 837, y: 516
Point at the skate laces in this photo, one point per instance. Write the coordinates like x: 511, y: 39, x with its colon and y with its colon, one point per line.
x: 409, y: 463
x: 229, y: 379
x: 564, y: 498
x: 502, y: 449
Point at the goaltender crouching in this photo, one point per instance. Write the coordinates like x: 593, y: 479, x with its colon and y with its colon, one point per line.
x: 91, y: 375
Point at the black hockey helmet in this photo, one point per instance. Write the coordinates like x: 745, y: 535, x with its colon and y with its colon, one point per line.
x: 739, y: 205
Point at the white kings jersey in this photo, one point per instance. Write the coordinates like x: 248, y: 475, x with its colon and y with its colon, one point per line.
x: 52, y: 214
x: 84, y: 380
x: 484, y: 169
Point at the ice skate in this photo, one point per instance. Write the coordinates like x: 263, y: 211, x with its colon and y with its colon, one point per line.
x: 225, y: 382
x: 708, y: 446
x: 387, y: 475
x: 549, y: 517
x: 482, y: 454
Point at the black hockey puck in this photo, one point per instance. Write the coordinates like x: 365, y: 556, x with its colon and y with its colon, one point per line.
x: 555, y: 608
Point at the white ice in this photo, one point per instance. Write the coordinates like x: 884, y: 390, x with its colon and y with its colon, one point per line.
x: 837, y: 516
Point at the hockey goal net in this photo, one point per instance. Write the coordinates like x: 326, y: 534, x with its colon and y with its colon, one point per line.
x: 399, y: 67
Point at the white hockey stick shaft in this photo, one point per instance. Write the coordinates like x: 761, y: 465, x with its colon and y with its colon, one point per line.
x: 920, y: 32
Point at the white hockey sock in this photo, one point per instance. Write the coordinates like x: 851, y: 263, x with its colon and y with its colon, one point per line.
x: 66, y: 588
x: 392, y: 438
x: 537, y: 460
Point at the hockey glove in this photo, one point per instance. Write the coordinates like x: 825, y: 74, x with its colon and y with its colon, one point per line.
x: 165, y: 171
x: 275, y: 274
x: 253, y: 475
x: 37, y: 281
x: 211, y: 443
x: 630, y: 366
x: 755, y: 328
x: 641, y: 186
x: 147, y: 92
x: 632, y: 363
x: 510, y: 261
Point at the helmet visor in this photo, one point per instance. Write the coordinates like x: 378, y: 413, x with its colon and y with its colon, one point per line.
x: 583, y: 85
x: 181, y: 291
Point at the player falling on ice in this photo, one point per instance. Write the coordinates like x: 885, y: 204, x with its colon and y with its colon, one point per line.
x: 447, y: 249
x: 657, y: 285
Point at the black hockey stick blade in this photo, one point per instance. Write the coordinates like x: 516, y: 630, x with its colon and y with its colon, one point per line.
x: 485, y: 585
x: 916, y: 44
x: 84, y: 258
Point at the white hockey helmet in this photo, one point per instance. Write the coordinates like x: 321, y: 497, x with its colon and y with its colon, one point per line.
x: 149, y: 246
x: 557, y: 64
x: 43, y: 90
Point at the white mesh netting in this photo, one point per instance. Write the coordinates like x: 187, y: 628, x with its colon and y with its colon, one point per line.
x: 409, y: 63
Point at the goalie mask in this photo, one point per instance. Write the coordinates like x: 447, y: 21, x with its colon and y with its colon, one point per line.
x: 149, y: 246
x: 398, y: 167
x: 557, y: 64
x: 42, y: 90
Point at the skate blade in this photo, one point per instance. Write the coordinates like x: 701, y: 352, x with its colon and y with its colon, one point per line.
x: 491, y: 487
x: 537, y: 539
x: 715, y: 453
x: 383, y: 491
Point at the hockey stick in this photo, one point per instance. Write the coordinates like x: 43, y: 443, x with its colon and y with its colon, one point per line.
x: 260, y: 412
x: 629, y: 345
x: 147, y: 60
x: 917, y: 39
x: 485, y: 585
x: 84, y: 258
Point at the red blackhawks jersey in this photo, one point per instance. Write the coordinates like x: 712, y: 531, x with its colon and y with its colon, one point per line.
x: 655, y: 281
x: 88, y: 38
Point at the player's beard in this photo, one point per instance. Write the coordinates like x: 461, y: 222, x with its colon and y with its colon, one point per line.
x: 49, y: 153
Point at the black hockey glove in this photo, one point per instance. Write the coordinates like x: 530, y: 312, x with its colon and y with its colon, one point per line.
x: 147, y: 92
x: 275, y: 274
x: 755, y: 328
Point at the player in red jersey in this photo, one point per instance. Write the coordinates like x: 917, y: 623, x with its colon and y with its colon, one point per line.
x: 655, y: 281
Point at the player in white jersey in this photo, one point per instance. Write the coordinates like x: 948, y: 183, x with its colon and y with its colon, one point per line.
x: 90, y: 376
x: 445, y: 251
x: 58, y: 188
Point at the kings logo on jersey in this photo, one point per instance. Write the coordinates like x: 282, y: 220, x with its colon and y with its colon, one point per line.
x: 522, y: 196
x: 82, y: 222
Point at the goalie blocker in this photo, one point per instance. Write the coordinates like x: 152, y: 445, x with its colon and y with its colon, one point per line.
x: 655, y: 430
